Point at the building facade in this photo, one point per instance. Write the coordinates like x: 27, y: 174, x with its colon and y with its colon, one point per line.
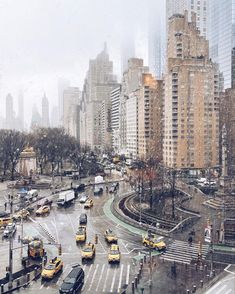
x: 131, y: 82
x: 221, y: 36
x: 150, y: 118
x: 191, y: 109
x: 200, y: 7
x: 227, y: 119
x: 98, y: 84
x: 132, y: 124
x: 115, y: 119
x: 157, y: 38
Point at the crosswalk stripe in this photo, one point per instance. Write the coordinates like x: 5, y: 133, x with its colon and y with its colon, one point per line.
x: 88, y: 274
x: 93, y: 277
x: 181, y: 251
x: 113, y: 281
x: 101, y: 275
x: 120, y: 277
x: 106, y: 277
x: 127, y: 274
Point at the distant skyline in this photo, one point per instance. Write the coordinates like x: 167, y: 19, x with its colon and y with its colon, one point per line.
x: 36, y: 51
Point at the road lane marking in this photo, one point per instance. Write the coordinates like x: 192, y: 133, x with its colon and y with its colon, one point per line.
x: 113, y: 281
x: 89, y: 271
x: 124, y: 246
x: 101, y: 275
x: 128, y: 274
x: 74, y: 231
x: 120, y: 277
x: 105, y: 281
x: 93, y: 277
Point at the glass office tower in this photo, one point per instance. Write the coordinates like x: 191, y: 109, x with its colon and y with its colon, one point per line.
x: 221, y: 35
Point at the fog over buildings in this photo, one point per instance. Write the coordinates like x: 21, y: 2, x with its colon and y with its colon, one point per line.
x: 37, y: 52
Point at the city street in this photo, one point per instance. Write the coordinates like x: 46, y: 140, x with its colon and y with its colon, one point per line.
x: 60, y: 225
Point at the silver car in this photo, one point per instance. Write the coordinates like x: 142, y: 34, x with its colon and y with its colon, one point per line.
x: 9, y: 230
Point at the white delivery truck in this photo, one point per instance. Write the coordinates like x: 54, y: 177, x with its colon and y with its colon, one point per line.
x: 99, y: 182
x: 65, y: 198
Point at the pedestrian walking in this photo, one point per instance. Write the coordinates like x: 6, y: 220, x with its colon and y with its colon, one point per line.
x: 5, y: 204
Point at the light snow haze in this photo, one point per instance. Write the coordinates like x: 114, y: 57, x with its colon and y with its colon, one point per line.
x: 42, y: 40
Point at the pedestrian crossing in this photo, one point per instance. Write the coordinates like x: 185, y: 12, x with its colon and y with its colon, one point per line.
x: 105, y: 278
x: 182, y: 252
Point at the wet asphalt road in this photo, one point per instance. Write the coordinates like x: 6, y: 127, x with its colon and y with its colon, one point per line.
x: 61, y: 225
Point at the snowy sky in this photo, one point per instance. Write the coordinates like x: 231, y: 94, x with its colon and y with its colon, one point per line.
x: 42, y: 40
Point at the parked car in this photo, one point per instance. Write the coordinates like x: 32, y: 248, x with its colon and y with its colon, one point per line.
x: 74, y: 281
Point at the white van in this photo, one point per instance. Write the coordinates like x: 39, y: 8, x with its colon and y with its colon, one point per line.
x: 31, y: 194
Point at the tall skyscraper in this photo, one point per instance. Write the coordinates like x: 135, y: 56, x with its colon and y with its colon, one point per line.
x: 191, y: 105
x: 221, y: 36
x: 62, y: 85
x: 200, y: 7
x: 127, y: 49
x: 71, y: 102
x: 131, y: 81
x: 98, y: 84
x: 156, y: 38
x: 21, y: 111
x: 36, y: 119
x: 55, y: 117
x: 10, y: 117
x: 45, y: 112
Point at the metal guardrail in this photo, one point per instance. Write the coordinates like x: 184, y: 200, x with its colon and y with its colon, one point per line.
x: 124, y: 209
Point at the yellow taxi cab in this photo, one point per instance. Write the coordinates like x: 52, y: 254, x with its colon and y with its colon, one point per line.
x: 88, y: 203
x: 154, y: 242
x: 21, y: 214
x: 114, y: 254
x: 110, y: 237
x: 81, y: 234
x: 52, y: 268
x: 43, y: 210
x: 4, y: 221
x: 88, y: 252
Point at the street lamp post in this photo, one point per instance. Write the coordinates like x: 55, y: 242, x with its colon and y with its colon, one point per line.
x: 10, y: 257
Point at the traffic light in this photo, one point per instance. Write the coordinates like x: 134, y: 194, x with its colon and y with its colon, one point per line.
x: 60, y: 249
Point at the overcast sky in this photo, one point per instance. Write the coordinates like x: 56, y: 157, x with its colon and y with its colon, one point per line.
x: 42, y: 40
